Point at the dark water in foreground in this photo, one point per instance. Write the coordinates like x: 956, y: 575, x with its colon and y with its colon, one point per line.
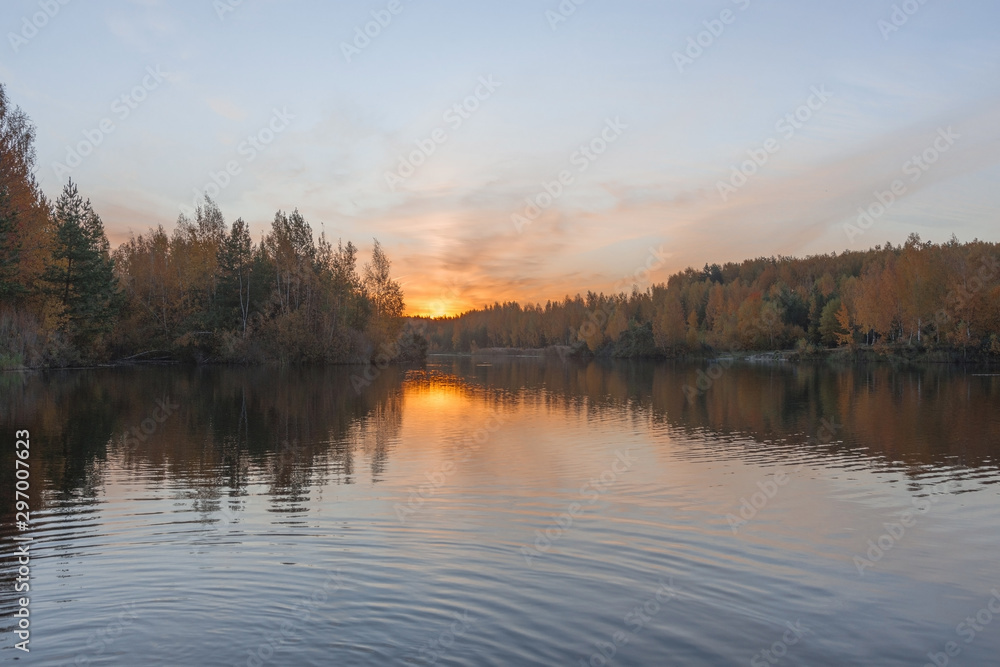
x: 519, y: 513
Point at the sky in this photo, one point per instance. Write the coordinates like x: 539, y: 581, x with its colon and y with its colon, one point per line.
x: 525, y: 149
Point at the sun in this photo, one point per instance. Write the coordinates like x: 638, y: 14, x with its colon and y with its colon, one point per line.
x: 433, y: 309
x: 441, y: 312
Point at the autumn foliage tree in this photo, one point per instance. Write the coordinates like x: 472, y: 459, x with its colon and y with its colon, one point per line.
x: 209, y: 292
x: 919, y: 295
x: 235, y: 261
x: 385, y: 296
x: 203, y: 291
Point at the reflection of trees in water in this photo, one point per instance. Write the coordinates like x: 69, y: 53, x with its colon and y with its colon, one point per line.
x: 375, y: 433
x: 928, y: 415
x: 292, y: 428
x: 70, y: 418
x: 295, y: 429
x: 923, y: 415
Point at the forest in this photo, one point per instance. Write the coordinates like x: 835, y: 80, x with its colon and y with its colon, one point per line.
x: 919, y: 296
x: 205, y: 292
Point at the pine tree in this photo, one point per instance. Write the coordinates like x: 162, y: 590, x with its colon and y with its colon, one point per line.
x: 10, y: 250
x: 816, y: 303
x: 81, y: 277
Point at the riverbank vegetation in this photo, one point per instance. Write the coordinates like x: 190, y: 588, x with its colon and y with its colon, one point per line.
x: 203, y: 292
x: 919, y: 299
x: 207, y: 292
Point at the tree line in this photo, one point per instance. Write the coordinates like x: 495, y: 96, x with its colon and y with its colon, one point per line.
x: 921, y: 295
x: 205, y: 292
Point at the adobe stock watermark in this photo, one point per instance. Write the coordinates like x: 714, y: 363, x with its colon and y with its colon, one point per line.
x: 122, y: 107
x: 968, y: 630
x: 31, y: 25
x: 301, y: 613
x: 147, y: 427
x: 223, y: 7
x: 954, y: 312
x: 455, y: 116
x: 363, y: 35
x: 636, y: 620
x: 697, y: 44
x: 438, y: 478
x: 787, y: 125
x: 229, y: 519
x: 915, y: 168
x: 387, y: 352
x: 582, y: 158
x: 706, y: 379
x: 764, y: 325
x: 773, y: 654
x: 899, y: 17
x: 562, y: 13
x: 895, y: 531
x: 453, y: 290
x: 642, y: 275
x: 248, y: 150
x: 100, y: 640
x: 432, y: 651
x: 957, y: 298
x: 592, y: 491
x: 769, y: 488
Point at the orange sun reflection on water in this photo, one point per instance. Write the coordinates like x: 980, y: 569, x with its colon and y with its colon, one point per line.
x: 444, y: 412
x: 440, y: 396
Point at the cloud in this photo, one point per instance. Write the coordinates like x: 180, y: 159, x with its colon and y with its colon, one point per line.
x: 141, y: 31
x: 226, y: 108
x: 784, y: 208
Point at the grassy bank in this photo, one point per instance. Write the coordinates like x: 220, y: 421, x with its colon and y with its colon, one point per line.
x: 895, y: 354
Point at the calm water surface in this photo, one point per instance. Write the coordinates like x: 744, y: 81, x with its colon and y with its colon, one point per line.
x: 513, y: 512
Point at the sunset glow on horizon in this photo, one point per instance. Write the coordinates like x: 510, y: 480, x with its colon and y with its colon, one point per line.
x: 531, y: 332
x: 529, y: 155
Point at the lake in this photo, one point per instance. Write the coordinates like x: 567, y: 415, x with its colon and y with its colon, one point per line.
x: 506, y: 512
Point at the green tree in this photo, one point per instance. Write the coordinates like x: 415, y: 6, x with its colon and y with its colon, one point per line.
x: 81, y: 276
x: 10, y: 250
x: 816, y: 303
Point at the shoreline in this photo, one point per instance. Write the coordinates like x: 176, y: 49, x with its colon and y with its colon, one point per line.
x: 841, y: 356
